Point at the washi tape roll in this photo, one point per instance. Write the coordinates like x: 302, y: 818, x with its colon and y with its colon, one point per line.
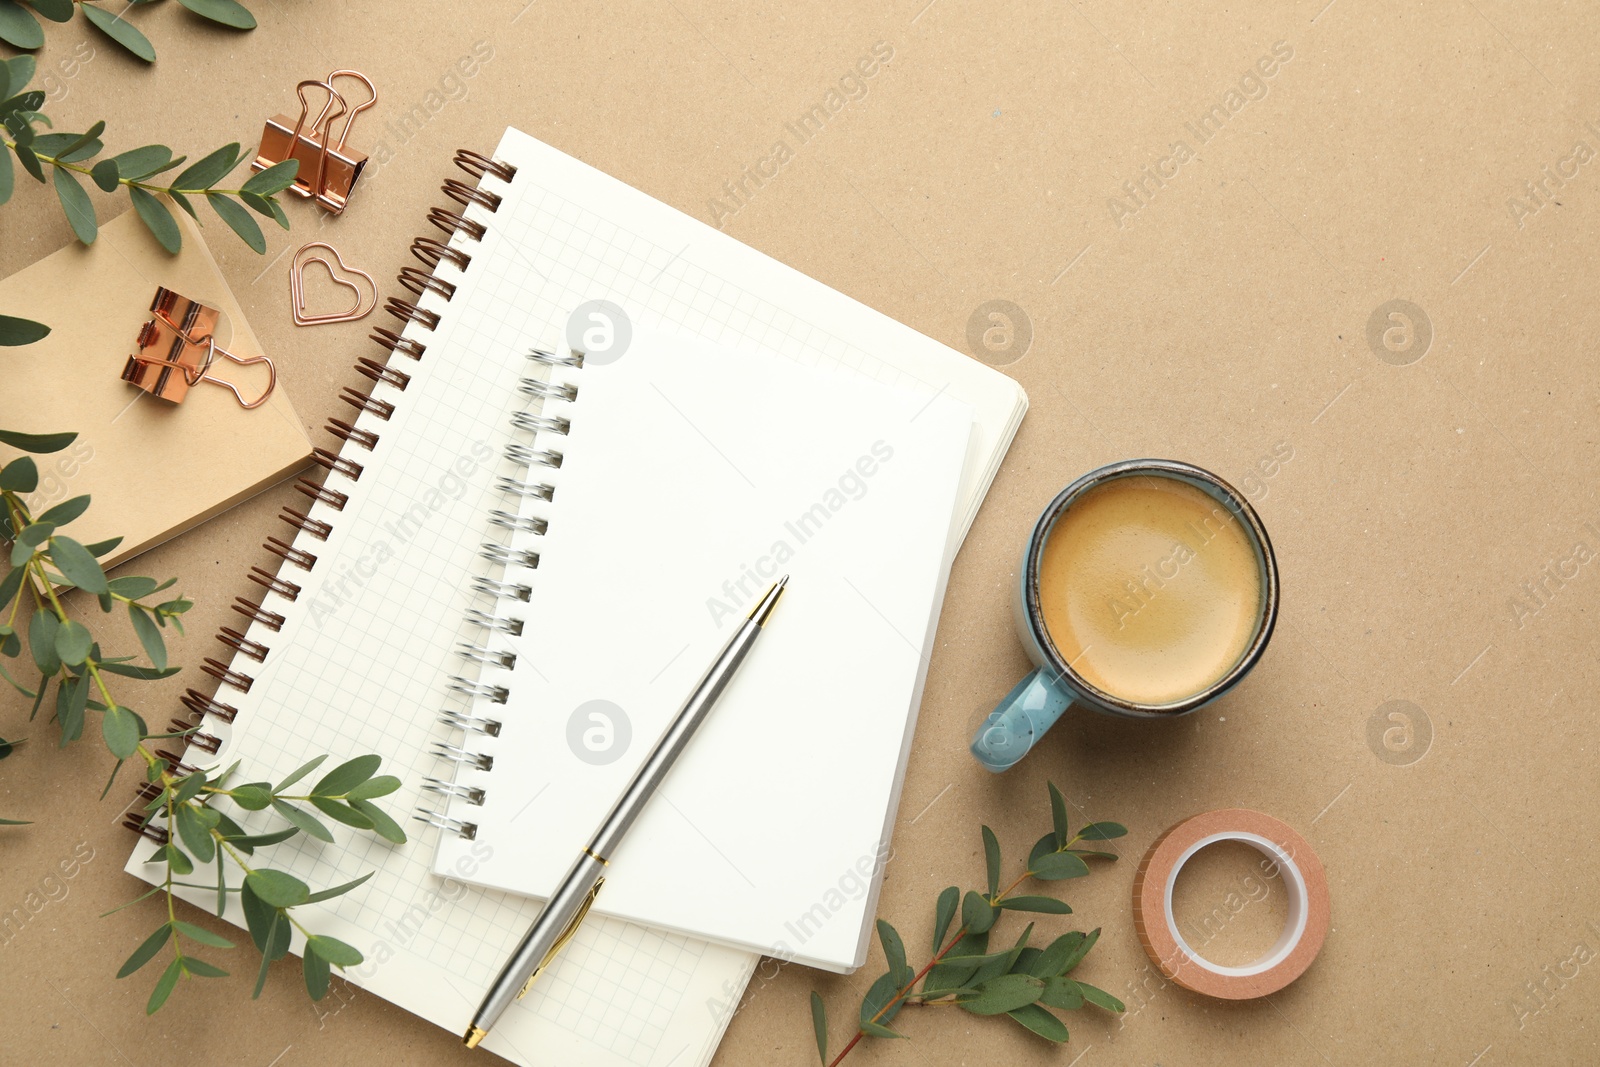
x: 1303, y: 878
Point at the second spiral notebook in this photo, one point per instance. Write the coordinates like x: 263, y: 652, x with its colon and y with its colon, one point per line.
x: 682, y: 479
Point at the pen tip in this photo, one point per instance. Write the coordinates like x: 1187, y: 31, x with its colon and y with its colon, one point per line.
x: 763, y: 608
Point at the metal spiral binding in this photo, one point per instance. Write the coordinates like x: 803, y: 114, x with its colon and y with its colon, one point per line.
x: 453, y: 223
x: 380, y: 372
x: 430, y: 252
x: 175, y: 763
x: 502, y: 590
x: 227, y: 675
x: 321, y: 493
x: 543, y: 390
x: 477, y: 164
x: 345, y: 466
x: 365, y: 402
x: 471, y: 688
x: 467, y: 831
x: 488, y: 656
x: 456, y: 754
x: 287, y: 590
x: 524, y: 420
x: 420, y: 281
x: 508, y: 557
x: 344, y: 431
x: 526, y: 523
x: 502, y: 624
x: 471, y: 724
x: 530, y: 457
x: 256, y: 613
x: 467, y: 195
x: 526, y: 490
x: 202, y: 705
x: 198, y: 738
x: 406, y: 346
x: 471, y: 794
x: 300, y: 521
x: 242, y: 644
x: 544, y: 355
x: 298, y: 556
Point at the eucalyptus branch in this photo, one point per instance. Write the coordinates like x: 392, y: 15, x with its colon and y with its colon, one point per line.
x: 21, y: 29
x: 180, y: 803
x: 1021, y: 982
x: 68, y: 155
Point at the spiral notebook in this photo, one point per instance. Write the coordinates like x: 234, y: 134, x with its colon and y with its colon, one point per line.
x: 351, y: 646
x: 673, y: 485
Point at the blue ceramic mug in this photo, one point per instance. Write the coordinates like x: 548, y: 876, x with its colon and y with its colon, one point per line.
x: 1034, y: 705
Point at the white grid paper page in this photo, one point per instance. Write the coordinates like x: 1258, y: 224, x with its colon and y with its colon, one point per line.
x: 361, y: 665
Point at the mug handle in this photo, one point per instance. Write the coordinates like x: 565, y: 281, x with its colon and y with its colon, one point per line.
x: 1020, y: 720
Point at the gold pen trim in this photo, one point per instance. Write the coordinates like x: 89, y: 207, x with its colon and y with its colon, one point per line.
x: 592, y: 854
x: 566, y: 935
x: 474, y: 1035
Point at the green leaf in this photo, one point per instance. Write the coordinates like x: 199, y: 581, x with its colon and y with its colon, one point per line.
x: 302, y: 819
x: 1103, y: 831
x: 820, y: 1027
x: 21, y: 475
x: 25, y: 156
x: 1041, y: 905
x: 157, y: 219
x: 258, y: 918
x: 949, y: 900
x: 1061, y: 993
x: 132, y: 586
x: 1004, y: 993
x: 54, y: 10
x: 1079, y: 951
x: 991, y: 860
x: 10, y: 586
x: 894, y: 950
x: 277, y: 923
x: 225, y: 12
x: 105, y: 175
x: 875, y: 1005
x: 334, y: 951
x: 144, y: 674
x: 274, y: 179
x: 1058, y: 816
x: 122, y: 731
x: 1100, y: 998
x: 253, y: 796
x: 299, y: 772
x: 65, y: 511
x: 78, y: 566
x: 8, y: 185
x: 183, y: 202
x: 75, y: 202
x: 15, y: 332
x: 201, y: 934
x: 72, y: 643
x: 315, y: 969
x: 976, y: 913
x: 114, y: 27
x: 276, y: 888
x: 42, y: 642
x: 347, y: 776
x: 1057, y: 866
x: 278, y: 215
x: 201, y: 969
x: 187, y: 788
x: 952, y: 975
x: 37, y: 443
x: 149, y: 637
x: 100, y: 548
x: 879, y: 1030
x: 71, y: 696
x: 384, y: 826
x: 1053, y: 960
x: 195, y: 834
x: 1040, y: 1022
x: 209, y: 170
x: 77, y: 146
x: 139, y: 163
x: 1004, y: 963
x: 146, y: 950
x: 262, y: 840
x: 21, y: 68
x: 338, y: 890
x: 169, y: 977
x: 380, y: 786
x: 18, y: 27
x: 222, y: 889
x: 238, y: 220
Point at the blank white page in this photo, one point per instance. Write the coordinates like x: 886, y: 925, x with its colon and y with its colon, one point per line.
x: 690, y: 478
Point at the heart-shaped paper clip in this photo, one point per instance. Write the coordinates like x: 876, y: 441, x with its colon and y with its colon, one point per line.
x: 365, y: 300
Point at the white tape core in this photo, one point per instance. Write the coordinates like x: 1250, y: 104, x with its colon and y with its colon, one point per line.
x: 1294, y: 884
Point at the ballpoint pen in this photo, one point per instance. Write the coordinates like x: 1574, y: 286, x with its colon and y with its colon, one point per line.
x: 559, y: 919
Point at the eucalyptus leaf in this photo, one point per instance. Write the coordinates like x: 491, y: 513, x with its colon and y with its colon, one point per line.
x: 1102, y: 831
x: 315, y: 970
x: 300, y: 772
x: 54, y: 10
x: 382, y: 824
x: 120, y: 31
x: 1100, y: 998
x: 21, y: 475
x: 1004, y: 993
x: 149, y: 636
x: 276, y: 888
x: 347, y: 776
x: 382, y: 785
x: 302, y: 819
x: 169, y: 977
x: 132, y: 586
x: 8, y: 185
x: 66, y: 511
x: 78, y: 566
x: 272, y: 180
x: 1040, y: 1022
x: 1041, y: 905
x: 14, y: 331
x: 123, y: 731
x: 18, y: 27
x: 334, y: 951
x: 72, y: 642
x: 157, y: 219
x: 75, y: 202
x: 37, y: 443
x: 208, y: 170
x: 105, y: 175
x: 819, y: 1025
x: 880, y: 1005
x: 949, y: 901
x: 991, y: 861
x: 1059, y: 865
x: 42, y: 641
x: 176, y: 858
x: 238, y: 220
x: 139, y: 163
x: 976, y: 913
x: 201, y: 934
x: 146, y: 950
x: 894, y: 951
x: 201, y: 969
x: 1061, y: 993
x: 338, y: 890
x: 195, y: 834
x: 224, y: 12
x: 1058, y: 816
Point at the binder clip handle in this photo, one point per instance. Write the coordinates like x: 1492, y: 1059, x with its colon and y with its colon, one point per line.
x: 350, y: 117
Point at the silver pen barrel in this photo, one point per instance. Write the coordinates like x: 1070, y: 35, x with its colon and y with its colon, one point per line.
x: 565, y: 909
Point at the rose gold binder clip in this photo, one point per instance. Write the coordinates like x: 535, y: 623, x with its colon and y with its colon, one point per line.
x: 328, y: 170
x: 177, y: 348
x: 366, y: 296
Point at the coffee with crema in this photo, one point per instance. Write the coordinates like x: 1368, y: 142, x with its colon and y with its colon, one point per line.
x: 1150, y: 588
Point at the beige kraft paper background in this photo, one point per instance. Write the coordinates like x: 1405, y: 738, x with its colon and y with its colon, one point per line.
x: 1341, y: 253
